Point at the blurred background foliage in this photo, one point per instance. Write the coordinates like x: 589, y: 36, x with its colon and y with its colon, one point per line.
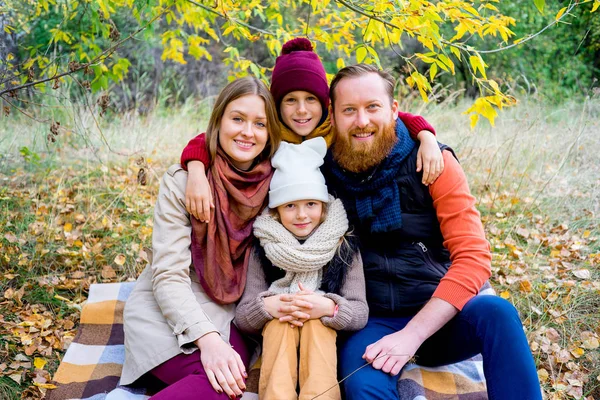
x: 561, y: 63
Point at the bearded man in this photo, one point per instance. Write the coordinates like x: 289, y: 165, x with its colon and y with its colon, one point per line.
x: 424, y: 251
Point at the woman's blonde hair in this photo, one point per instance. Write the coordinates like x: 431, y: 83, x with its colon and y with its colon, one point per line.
x: 236, y: 89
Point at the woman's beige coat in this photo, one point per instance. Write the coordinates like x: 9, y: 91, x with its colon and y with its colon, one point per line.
x: 168, y: 309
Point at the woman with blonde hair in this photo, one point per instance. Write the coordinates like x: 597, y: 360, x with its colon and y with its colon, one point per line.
x: 178, y: 320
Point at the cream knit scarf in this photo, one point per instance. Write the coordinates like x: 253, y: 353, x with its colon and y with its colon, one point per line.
x: 302, y: 262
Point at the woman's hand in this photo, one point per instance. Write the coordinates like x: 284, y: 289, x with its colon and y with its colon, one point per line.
x: 429, y: 158
x: 198, y: 197
x: 223, y: 365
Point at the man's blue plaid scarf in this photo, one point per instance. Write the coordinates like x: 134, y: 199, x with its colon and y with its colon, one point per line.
x: 376, y: 199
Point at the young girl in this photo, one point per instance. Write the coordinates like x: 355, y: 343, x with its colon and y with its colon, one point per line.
x: 299, y: 87
x: 177, y: 321
x: 307, y: 272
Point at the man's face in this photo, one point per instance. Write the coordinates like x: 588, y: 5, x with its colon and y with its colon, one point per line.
x: 364, y: 121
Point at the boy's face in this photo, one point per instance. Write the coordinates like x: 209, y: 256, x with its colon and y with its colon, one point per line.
x: 301, y: 111
x: 301, y: 217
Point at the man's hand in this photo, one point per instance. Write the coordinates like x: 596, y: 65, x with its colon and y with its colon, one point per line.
x: 429, y: 157
x: 392, y: 352
x: 223, y: 365
x: 198, y: 197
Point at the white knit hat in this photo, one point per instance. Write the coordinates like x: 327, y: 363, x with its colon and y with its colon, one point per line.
x: 297, y: 175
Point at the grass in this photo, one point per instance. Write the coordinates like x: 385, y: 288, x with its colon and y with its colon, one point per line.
x: 73, y: 213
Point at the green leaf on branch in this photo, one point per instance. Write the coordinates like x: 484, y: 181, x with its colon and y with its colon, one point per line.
x: 540, y: 5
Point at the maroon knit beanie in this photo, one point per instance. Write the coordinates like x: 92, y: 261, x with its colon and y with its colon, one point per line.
x: 299, y: 68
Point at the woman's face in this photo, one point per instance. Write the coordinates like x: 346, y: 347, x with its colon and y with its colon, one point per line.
x: 301, y: 112
x: 243, y: 131
x: 301, y: 217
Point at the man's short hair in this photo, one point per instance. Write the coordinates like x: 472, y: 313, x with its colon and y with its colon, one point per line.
x: 357, y: 70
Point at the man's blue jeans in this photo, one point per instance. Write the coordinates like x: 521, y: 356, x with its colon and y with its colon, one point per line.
x: 488, y: 325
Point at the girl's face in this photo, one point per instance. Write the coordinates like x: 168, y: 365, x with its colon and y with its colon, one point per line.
x: 243, y: 131
x: 301, y: 217
x: 301, y: 111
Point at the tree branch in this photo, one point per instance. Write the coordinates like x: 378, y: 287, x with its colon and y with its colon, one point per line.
x: 459, y: 46
x: 236, y: 21
x: 105, y: 54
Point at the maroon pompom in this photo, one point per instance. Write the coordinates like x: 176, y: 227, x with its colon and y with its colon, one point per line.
x: 298, y: 44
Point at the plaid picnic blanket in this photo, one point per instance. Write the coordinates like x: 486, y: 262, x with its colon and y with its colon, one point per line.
x: 92, y: 365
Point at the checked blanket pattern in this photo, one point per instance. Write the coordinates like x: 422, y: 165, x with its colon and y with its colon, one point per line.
x: 92, y: 365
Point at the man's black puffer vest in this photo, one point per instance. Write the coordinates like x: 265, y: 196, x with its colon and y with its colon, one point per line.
x: 402, y: 267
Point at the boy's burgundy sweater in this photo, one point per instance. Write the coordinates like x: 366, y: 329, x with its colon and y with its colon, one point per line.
x: 196, y: 148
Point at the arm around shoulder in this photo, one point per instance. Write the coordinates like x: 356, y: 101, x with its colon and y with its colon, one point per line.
x: 195, y: 151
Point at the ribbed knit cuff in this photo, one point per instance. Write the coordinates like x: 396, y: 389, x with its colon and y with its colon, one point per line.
x: 415, y: 124
x: 257, y: 315
x: 344, y: 315
x: 453, y: 293
x: 193, y: 152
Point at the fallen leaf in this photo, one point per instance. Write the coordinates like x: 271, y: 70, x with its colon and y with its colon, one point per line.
x: 552, y: 297
x: 578, y: 352
x: 16, y: 377
x: 505, y: 295
x: 68, y: 227
x: 591, y: 343
x: 543, y: 375
x: 10, y: 237
x: 120, y: 259
x: 525, y: 286
x: 582, y: 273
x: 575, y: 392
x: 108, y: 272
x: 9, y: 293
x: 552, y: 335
x: 45, y: 385
x: 39, y: 363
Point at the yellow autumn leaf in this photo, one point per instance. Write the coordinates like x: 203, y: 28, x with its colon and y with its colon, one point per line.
x: 68, y: 227
x: 478, y: 64
x: 586, y: 234
x: 596, y: 5
x: 45, y: 385
x: 120, y: 259
x: 361, y: 54
x: 474, y: 119
x: 560, y: 13
x: 543, y: 375
x: 525, y: 286
x: 505, y: 295
x: 578, y: 352
x: 39, y: 363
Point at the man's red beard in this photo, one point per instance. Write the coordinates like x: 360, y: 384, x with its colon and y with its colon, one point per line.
x: 355, y: 156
